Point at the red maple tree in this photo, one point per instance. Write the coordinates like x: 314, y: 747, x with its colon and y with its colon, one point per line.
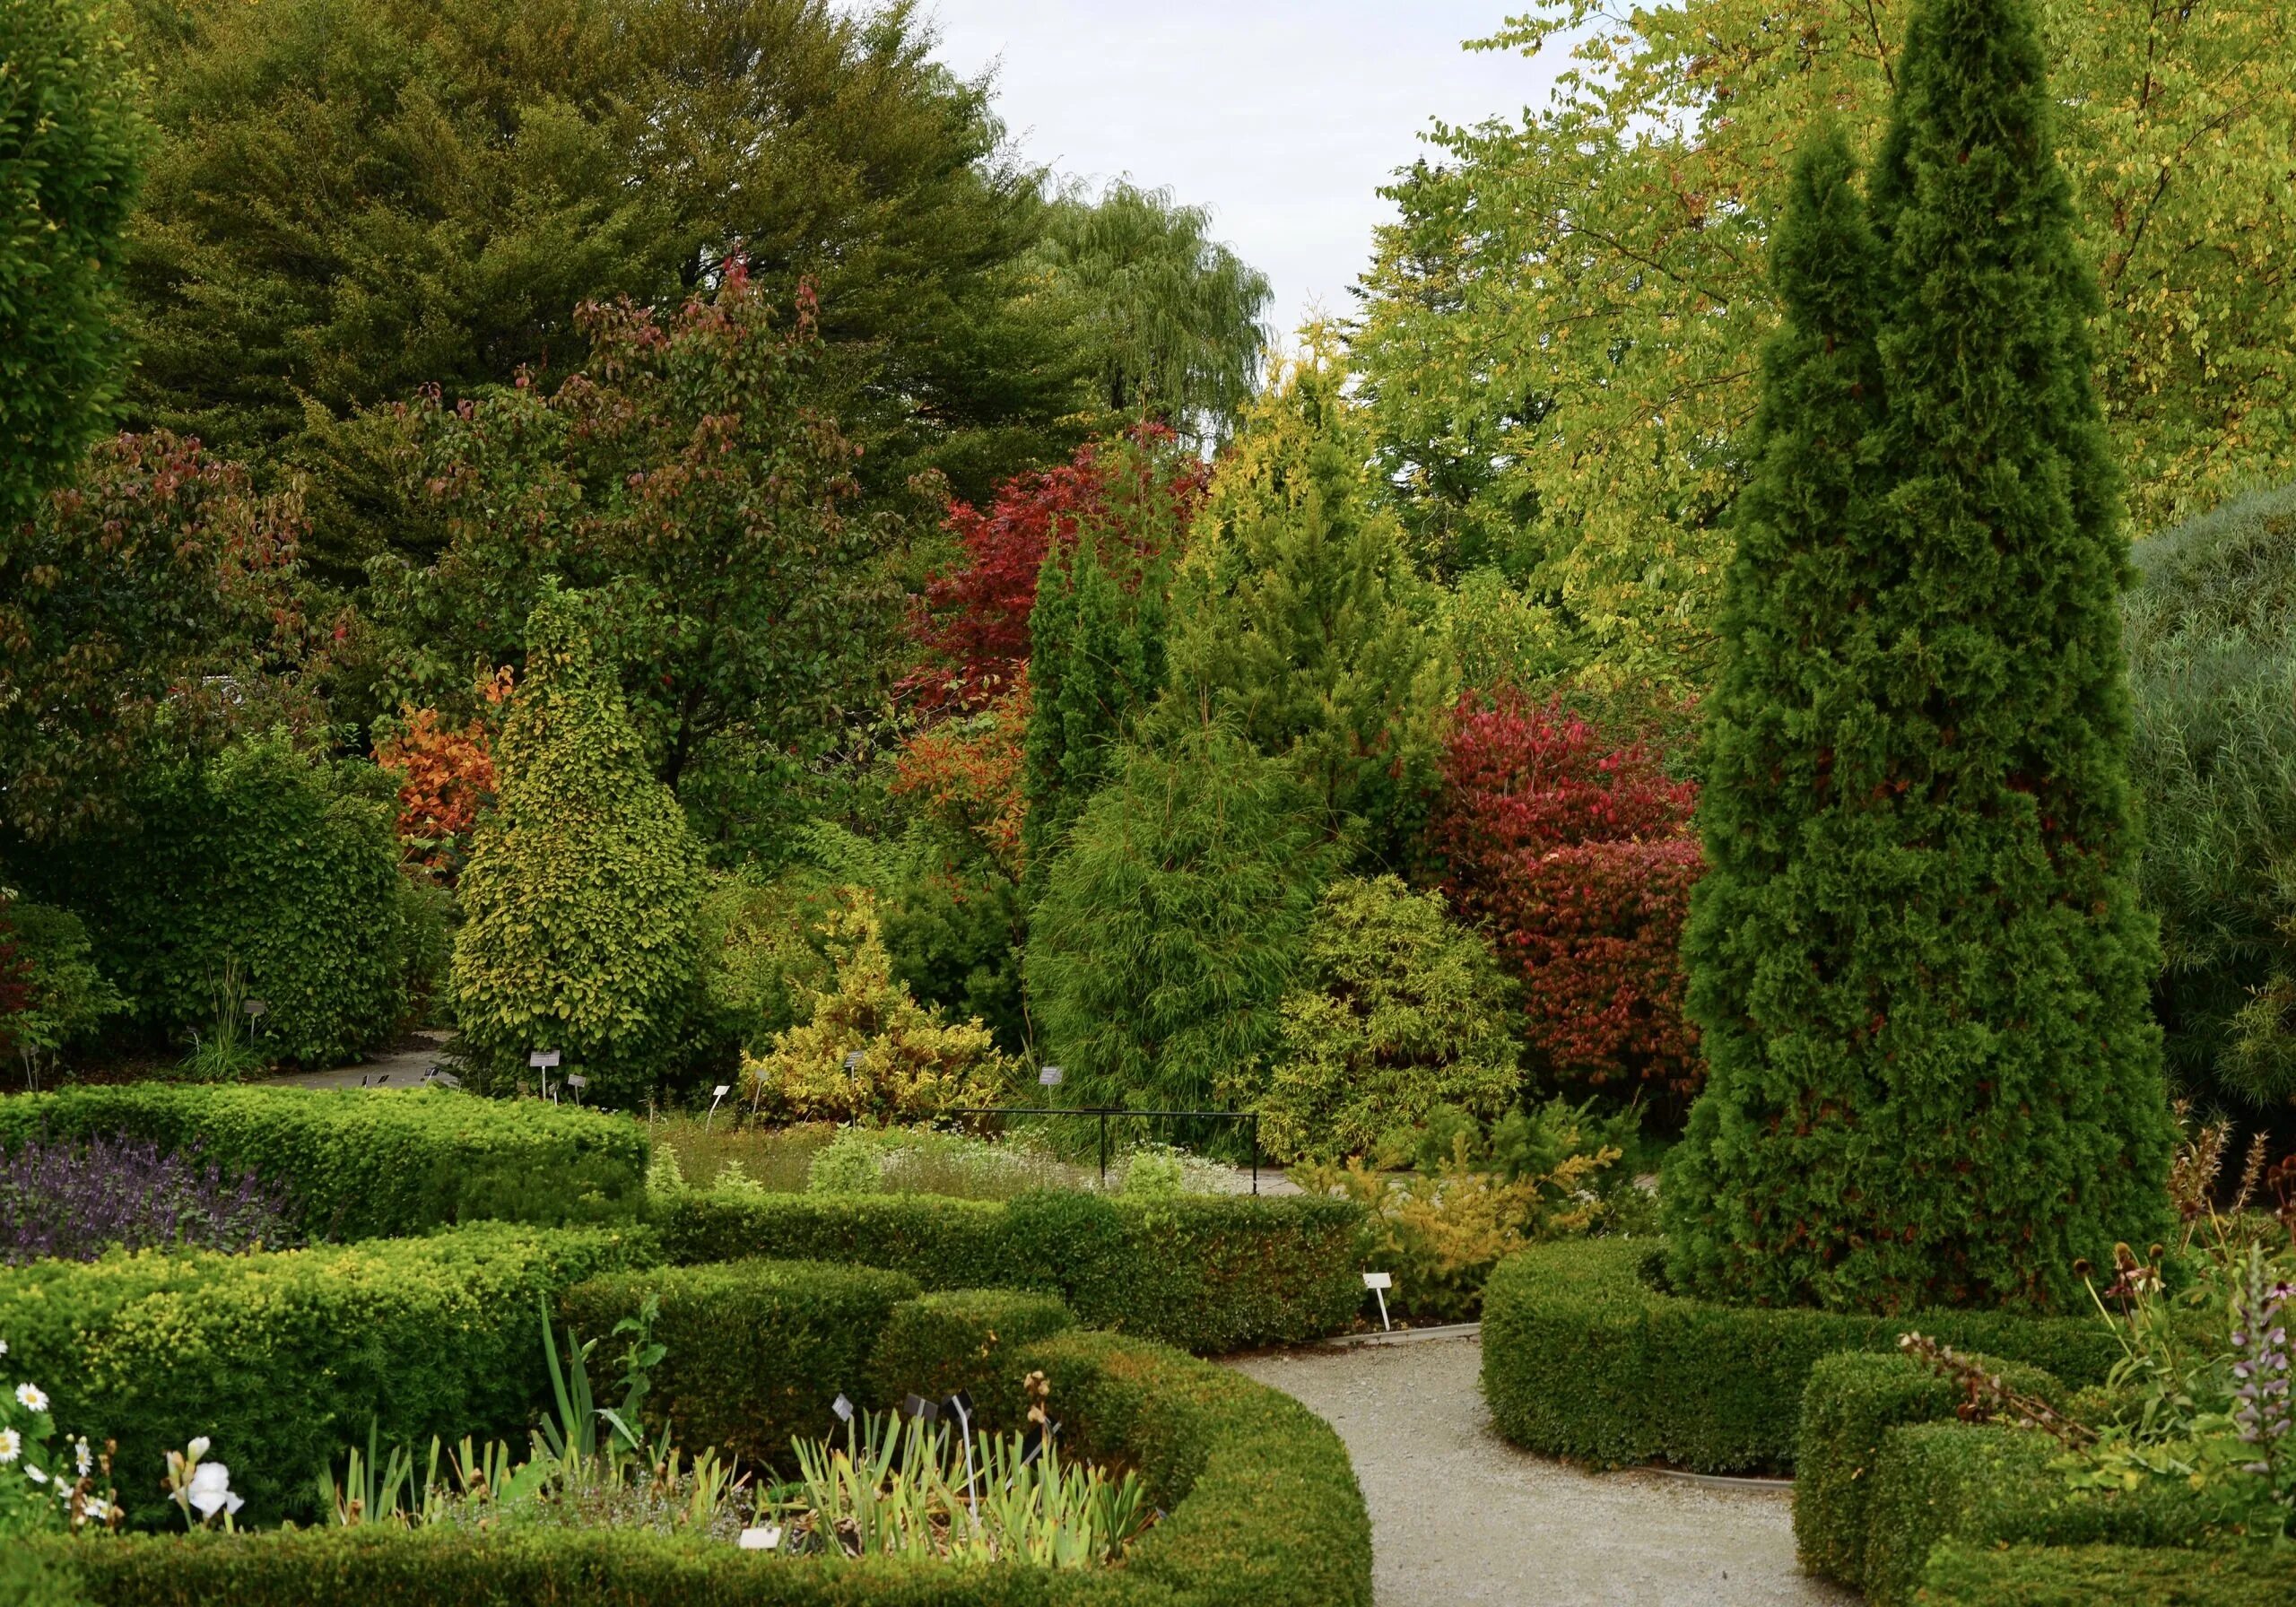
x: 446, y: 776
x: 1574, y: 851
x: 973, y: 620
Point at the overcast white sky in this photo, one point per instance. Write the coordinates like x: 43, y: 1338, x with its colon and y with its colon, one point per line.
x: 1282, y: 117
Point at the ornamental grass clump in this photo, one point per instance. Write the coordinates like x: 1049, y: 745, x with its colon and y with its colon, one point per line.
x: 76, y: 1201
x: 1917, y: 965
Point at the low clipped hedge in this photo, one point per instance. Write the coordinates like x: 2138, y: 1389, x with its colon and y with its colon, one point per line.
x: 1854, y: 1398
x: 1966, y: 1575
x: 756, y: 1351
x: 959, y: 1340
x: 1262, y: 1510
x: 372, y: 1163
x: 1986, y: 1484
x: 282, y: 1358
x: 1207, y: 1273
x: 1584, y: 1357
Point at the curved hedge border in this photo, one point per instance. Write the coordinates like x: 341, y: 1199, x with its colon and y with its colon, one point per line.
x: 1263, y: 1510
x: 283, y: 1357
x: 374, y: 1163
x: 1207, y: 1273
x: 1964, y: 1575
x: 1583, y: 1357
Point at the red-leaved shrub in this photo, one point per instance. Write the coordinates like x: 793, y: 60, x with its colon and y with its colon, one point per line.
x: 974, y: 618
x: 1575, y: 855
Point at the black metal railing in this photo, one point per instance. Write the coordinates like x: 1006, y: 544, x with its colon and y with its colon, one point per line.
x: 1103, y: 1114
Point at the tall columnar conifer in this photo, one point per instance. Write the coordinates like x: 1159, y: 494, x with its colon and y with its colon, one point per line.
x: 1296, y: 616
x: 584, y: 883
x: 1917, y: 964
x: 1097, y: 660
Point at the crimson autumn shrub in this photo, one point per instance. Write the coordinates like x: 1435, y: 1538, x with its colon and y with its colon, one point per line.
x: 974, y: 618
x: 1572, y: 850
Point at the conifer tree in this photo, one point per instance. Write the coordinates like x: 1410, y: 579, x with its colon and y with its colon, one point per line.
x: 1097, y: 660
x: 583, y: 886
x: 1917, y: 963
x: 1295, y: 615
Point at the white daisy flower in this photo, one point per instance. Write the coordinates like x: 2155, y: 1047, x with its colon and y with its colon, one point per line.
x: 12, y: 1445
x: 33, y: 1399
x: 34, y: 1474
x: 84, y: 1457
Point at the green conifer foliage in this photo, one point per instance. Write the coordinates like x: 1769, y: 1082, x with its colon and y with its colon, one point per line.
x: 1173, y: 925
x: 584, y: 885
x: 1097, y: 659
x: 1298, y: 615
x: 1918, y: 963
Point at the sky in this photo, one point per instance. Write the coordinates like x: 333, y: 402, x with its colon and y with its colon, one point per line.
x: 1283, y: 118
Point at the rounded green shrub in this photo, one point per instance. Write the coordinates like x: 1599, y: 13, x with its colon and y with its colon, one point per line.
x: 580, y: 898
x: 1402, y: 1014
x: 2212, y: 640
x: 1174, y: 924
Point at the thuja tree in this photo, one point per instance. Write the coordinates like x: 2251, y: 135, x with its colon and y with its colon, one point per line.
x: 1917, y: 964
x: 580, y: 896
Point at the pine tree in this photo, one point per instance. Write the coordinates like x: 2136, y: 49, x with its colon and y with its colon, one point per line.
x: 584, y: 884
x: 1296, y: 616
x: 1097, y: 659
x: 1917, y: 964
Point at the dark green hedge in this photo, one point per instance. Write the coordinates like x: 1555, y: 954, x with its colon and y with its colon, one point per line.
x: 1583, y: 1357
x: 1262, y: 1511
x: 369, y: 1164
x: 1209, y: 1275
x: 756, y: 1349
x: 1988, y: 1485
x: 1853, y: 1400
x: 1963, y: 1576
x: 282, y: 1358
x: 959, y: 1340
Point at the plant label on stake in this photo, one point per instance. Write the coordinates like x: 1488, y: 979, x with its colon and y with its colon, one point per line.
x: 1049, y: 1077
x: 541, y: 1060
x: 716, y: 1094
x: 1378, y: 1283
x: 578, y: 1082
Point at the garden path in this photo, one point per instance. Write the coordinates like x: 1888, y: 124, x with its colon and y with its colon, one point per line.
x: 400, y: 1066
x: 1460, y: 1517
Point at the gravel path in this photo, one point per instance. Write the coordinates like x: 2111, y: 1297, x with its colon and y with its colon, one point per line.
x: 1459, y: 1516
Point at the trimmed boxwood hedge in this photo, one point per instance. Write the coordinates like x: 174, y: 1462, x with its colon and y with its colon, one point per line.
x: 1990, y: 1485
x: 756, y: 1351
x: 964, y: 1339
x: 1584, y: 1358
x: 373, y: 1163
x: 282, y: 1358
x: 1263, y: 1510
x: 1853, y: 1400
x: 1965, y: 1575
x: 1207, y: 1273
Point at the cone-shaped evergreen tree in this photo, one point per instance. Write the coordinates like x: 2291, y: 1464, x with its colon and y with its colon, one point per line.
x: 583, y: 885
x: 1294, y: 616
x: 1917, y: 963
x: 1096, y: 660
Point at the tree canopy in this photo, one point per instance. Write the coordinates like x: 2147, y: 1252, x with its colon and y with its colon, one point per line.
x: 1559, y: 338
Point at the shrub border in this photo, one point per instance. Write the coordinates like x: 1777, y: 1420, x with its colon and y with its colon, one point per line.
x: 1584, y: 1358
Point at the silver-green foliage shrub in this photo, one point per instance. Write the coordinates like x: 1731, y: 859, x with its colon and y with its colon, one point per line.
x: 2212, y: 640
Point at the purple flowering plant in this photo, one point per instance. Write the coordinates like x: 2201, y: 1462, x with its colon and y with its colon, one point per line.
x: 76, y: 1200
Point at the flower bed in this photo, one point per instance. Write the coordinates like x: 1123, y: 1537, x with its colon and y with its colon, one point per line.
x: 1209, y: 1275
x: 1584, y: 1358
x: 363, y: 1164
x: 1261, y: 1510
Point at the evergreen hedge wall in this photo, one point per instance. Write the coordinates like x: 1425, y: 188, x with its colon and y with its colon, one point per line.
x: 1584, y: 1357
x: 1208, y: 1274
x: 371, y: 1163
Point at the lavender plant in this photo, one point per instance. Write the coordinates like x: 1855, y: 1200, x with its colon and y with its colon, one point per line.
x: 77, y: 1200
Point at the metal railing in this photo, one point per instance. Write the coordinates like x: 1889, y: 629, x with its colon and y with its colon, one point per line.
x: 1102, y: 1113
